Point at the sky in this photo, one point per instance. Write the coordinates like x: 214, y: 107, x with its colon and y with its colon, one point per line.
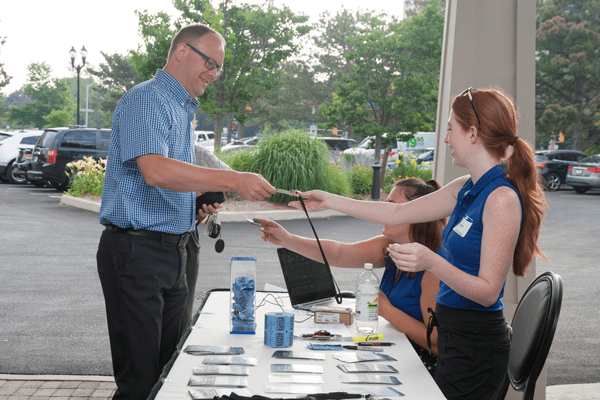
x: 44, y: 31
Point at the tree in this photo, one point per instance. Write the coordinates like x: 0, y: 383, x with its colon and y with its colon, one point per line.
x: 568, y: 72
x: 393, y: 84
x: 47, y: 95
x: 4, y: 78
x: 115, y: 77
x: 16, y: 98
x: 259, y: 40
x: 413, y: 7
x: 59, y: 118
x: 308, y: 79
x: 292, y: 104
x: 332, y: 42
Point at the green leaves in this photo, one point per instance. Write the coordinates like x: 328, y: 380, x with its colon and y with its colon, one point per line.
x: 291, y: 160
x: 51, y: 99
x: 568, y: 72
x: 392, y: 84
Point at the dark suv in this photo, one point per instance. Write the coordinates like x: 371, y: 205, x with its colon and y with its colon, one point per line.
x: 59, y: 146
x: 553, y: 165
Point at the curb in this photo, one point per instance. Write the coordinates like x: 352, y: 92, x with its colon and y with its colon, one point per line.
x: 226, y: 216
x: 87, y: 378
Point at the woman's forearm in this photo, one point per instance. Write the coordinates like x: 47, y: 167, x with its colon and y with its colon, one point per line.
x: 415, y: 330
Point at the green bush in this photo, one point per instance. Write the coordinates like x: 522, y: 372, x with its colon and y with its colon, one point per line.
x: 239, y: 160
x: 592, y: 151
x: 410, y: 169
x: 338, y: 179
x: 86, y: 177
x: 291, y: 160
x: 361, y: 180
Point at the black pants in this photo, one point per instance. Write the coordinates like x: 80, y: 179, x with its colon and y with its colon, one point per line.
x: 473, y: 352
x: 193, y: 250
x: 145, y: 292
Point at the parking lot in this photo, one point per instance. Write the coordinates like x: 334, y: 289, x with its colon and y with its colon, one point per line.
x: 52, y: 311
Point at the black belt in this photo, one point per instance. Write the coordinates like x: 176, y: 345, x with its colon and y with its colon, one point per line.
x: 165, y: 238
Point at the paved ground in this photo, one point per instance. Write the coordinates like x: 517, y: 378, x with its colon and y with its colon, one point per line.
x: 48, y: 387
x: 72, y: 387
x: 60, y: 387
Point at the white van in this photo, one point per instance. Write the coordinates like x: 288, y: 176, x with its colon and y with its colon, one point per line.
x: 421, y: 142
x: 418, y: 144
x: 205, y: 138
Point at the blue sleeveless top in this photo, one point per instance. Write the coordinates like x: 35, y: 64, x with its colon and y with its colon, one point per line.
x: 405, y: 295
x: 463, y: 233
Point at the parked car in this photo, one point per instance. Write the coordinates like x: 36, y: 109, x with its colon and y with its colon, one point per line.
x: 23, y: 164
x: 243, y: 144
x: 426, y: 156
x: 9, y: 151
x: 362, y: 154
x: 338, y: 143
x: 205, y: 138
x: 4, y: 135
x: 59, y: 146
x: 553, y: 165
x: 584, y: 174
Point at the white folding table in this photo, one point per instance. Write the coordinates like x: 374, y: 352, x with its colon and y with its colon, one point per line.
x: 212, y: 328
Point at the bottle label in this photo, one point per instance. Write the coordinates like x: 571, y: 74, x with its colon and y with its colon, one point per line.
x: 367, y: 302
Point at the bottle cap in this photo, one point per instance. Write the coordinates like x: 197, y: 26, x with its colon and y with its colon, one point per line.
x: 368, y: 266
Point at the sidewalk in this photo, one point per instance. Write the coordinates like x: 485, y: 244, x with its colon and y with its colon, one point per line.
x: 225, y: 216
x: 62, y: 387
x: 56, y: 387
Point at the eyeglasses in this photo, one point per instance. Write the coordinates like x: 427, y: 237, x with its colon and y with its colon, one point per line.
x: 209, y: 63
x: 468, y: 92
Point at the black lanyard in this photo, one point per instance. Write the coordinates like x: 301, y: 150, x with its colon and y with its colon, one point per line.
x: 338, y: 297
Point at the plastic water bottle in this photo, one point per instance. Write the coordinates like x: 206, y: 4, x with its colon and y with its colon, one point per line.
x: 367, y: 301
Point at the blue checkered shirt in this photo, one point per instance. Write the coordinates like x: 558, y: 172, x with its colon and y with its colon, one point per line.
x: 154, y: 117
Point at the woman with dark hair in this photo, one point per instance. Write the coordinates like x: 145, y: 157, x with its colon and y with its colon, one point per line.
x: 404, y: 297
x: 495, y: 216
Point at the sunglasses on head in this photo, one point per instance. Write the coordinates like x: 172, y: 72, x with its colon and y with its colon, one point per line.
x: 468, y: 93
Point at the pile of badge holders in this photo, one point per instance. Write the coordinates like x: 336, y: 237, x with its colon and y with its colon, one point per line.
x: 243, y: 295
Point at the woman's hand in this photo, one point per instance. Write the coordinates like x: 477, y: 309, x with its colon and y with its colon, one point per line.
x: 411, y: 257
x: 316, y: 200
x: 272, y: 232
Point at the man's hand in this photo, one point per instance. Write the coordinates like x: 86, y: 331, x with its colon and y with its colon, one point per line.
x: 206, y: 210
x: 254, y: 187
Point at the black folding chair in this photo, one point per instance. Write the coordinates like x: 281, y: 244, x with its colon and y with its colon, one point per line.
x: 533, y: 325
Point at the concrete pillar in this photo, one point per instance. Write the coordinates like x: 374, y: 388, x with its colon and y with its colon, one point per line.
x: 489, y: 43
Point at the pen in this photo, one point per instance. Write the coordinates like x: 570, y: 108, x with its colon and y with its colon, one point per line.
x: 375, y: 343
x: 359, y: 348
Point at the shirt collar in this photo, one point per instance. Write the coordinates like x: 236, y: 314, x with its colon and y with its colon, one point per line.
x: 181, y: 95
x: 493, y: 173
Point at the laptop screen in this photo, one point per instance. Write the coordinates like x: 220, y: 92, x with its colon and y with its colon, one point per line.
x: 306, y: 280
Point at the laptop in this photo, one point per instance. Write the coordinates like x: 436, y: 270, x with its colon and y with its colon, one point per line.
x: 309, y: 282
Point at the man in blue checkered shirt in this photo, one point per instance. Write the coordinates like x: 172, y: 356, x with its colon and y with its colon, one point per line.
x: 148, y: 208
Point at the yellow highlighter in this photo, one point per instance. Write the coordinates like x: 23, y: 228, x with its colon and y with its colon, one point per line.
x: 376, y: 336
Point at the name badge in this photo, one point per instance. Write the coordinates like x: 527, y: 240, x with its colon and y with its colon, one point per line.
x: 464, y: 226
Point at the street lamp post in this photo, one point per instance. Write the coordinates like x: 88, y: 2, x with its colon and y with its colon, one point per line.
x: 83, y: 53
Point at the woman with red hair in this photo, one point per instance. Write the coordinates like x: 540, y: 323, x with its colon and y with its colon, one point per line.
x: 495, y: 214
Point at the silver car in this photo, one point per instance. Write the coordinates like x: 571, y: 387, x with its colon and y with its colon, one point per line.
x: 584, y: 174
